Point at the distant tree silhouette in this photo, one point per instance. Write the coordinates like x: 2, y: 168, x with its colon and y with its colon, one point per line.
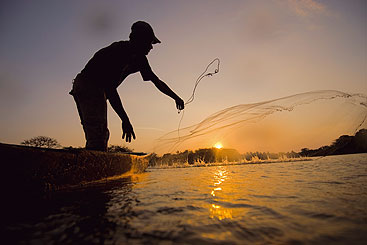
x: 42, y: 141
x: 153, y: 159
x: 361, y: 140
x: 205, y: 155
x: 345, y: 144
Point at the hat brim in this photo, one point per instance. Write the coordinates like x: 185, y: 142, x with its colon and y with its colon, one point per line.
x: 155, y: 40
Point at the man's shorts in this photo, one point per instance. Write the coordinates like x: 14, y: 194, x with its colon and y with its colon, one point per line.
x: 92, y: 108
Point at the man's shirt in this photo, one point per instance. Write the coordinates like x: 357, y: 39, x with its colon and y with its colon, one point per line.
x: 111, y: 65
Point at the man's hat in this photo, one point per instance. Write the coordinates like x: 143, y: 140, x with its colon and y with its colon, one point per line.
x: 142, y: 29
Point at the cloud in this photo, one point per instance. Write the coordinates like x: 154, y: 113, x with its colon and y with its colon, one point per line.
x: 307, y: 8
x: 308, y: 12
x: 100, y: 20
x: 263, y: 23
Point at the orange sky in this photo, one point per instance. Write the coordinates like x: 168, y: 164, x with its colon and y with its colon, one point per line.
x: 268, y: 50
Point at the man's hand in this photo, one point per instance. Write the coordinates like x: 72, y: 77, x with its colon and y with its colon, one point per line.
x: 180, y: 104
x: 127, y: 131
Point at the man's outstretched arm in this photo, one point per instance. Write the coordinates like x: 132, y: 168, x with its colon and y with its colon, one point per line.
x: 115, y: 101
x: 161, y: 86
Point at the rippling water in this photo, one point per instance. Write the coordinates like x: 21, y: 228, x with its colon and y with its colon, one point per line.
x: 313, y: 202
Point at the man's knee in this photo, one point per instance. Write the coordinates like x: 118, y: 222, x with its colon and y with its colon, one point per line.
x: 97, y: 137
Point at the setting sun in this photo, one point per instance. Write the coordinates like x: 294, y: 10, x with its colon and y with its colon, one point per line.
x: 218, y: 145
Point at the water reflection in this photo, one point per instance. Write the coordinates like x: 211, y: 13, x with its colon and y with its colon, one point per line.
x: 219, y: 177
x: 74, y: 216
x: 218, y: 211
x: 319, y: 202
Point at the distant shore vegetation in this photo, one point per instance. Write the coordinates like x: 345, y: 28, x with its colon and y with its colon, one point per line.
x: 209, y: 156
x: 345, y: 144
x: 42, y: 141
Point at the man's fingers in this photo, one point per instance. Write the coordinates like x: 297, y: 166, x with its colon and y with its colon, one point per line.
x: 180, y: 105
x: 128, y: 133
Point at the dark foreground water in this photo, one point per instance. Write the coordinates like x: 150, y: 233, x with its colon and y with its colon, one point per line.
x: 315, y: 202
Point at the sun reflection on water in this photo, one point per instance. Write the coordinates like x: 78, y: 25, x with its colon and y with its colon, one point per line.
x: 218, y: 211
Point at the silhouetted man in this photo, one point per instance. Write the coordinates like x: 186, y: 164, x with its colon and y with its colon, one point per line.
x: 99, y: 80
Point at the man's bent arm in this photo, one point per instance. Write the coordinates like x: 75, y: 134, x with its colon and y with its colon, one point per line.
x: 164, y: 88
x: 115, y: 101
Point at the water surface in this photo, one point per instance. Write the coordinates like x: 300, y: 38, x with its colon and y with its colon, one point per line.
x: 312, y: 202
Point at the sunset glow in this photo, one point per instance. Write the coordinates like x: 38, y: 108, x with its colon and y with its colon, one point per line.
x: 218, y: 145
